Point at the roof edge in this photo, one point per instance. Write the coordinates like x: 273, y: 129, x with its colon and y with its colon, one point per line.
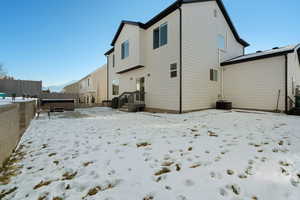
x: 229, y: 62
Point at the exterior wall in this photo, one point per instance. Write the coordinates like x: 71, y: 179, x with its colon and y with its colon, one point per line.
x: 293, y: 73
x: 255, y: 84
x: 201, y: 53
x: 161, y: 91
x: 99, y: 84
x: 72, y: 89
x: 131, y: 33
x: 21, y: 87
x: 14, y: 119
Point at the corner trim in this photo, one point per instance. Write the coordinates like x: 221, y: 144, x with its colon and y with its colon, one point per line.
x: 180, y: 59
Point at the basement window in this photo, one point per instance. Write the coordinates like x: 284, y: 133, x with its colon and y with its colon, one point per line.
x: 173, y: 70
x: 213, y: 75
x: 160, y: 36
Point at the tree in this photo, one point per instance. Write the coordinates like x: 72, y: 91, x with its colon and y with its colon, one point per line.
x: 2, y: 70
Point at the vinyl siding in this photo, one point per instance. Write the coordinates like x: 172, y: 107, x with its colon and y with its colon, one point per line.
x: 162, y: 92
x: 200, y: 53
x: 255, y: 84
x: 99, y: 83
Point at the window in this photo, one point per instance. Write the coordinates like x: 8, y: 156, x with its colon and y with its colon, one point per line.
x: 221, y: 42
x: 88, y: 82
x: 115, y: 87
x: 214, y: 75
x: 113, y: 60
x: 160, y: 36
x: 125, y: 49
x: 173, y: 70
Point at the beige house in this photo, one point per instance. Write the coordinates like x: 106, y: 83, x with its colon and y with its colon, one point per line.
x: 72, y: 88
x: 92, y: 88
x: 171, y: 59
x: 173, y: 62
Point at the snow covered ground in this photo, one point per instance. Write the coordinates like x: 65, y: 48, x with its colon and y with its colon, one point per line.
x: 108, y: 155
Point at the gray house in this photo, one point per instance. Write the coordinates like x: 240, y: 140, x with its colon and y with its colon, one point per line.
x: 21, y: 87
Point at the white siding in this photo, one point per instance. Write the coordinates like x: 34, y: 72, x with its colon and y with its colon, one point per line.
x: 162, y: 92
x: 200, y: 53
x: 131, y: 33
x: 255, y: 84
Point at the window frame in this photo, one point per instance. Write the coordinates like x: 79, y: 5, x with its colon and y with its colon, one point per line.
x: 173, y: 70
x: 124, y: 47
x: 157, y: 32
x: 214, y: 75
x: 115, y: 87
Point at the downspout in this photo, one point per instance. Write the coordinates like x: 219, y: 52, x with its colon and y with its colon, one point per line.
x: 180, y: 57
x: 222, y: 75
x: 107, y: 80
x: 286, y: 83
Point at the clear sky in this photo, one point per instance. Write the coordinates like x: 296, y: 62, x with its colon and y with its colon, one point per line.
x: 58, y: 41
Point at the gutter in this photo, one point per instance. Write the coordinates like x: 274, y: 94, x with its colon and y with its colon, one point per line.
x: 180, y: 57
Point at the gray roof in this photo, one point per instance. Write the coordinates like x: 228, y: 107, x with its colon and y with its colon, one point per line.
x: 277, y: 51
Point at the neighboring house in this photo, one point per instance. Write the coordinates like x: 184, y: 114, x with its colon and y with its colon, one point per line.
x: 21, y: 87
x: 175, y: 57
x: 72, y: 88
x: 264, y: 79
x: 190, y: 55
x: 92, y: 88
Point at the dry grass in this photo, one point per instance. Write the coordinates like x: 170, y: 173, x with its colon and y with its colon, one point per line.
x: 5, y: 193
x: 52, y: 154
x: 87, y: 163
x: 95, y: 190
x: 69, y: 176
x: 195, y: 166
x: 162, y: 171
x: 10, y: 166
x: 57, y: 198
x: 42, y: 184
x: 143, y: 144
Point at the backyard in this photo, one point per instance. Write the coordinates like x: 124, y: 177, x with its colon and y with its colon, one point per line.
x: 103, y: 154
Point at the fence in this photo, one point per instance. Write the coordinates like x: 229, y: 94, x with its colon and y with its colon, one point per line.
x: 14, y: 119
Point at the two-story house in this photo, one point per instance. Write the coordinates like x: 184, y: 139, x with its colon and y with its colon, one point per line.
x: 190, y: 55
x: 175, y: 57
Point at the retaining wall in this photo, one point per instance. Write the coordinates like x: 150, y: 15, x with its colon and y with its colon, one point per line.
x: 14, y: 119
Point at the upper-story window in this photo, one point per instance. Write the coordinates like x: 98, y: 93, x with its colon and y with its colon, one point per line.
x: 88, y: 82
x: 160, y: 36
x: 125, y: 49
x: 221, y: 42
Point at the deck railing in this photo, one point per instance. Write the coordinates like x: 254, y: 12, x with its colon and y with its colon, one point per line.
x: 136, y: 97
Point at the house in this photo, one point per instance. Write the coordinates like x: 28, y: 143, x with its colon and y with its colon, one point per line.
x: 21, y: 87
x: 92, y: 88
x: 171, y: 57
x: 189, y: 56
x: 265, y: 80
x: 72, y: 88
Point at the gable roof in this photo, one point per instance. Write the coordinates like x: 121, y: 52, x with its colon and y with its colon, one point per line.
x: 177, y: 4
x: 260, y: 55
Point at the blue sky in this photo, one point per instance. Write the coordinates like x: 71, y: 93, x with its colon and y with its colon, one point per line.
x: 63, y: 40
